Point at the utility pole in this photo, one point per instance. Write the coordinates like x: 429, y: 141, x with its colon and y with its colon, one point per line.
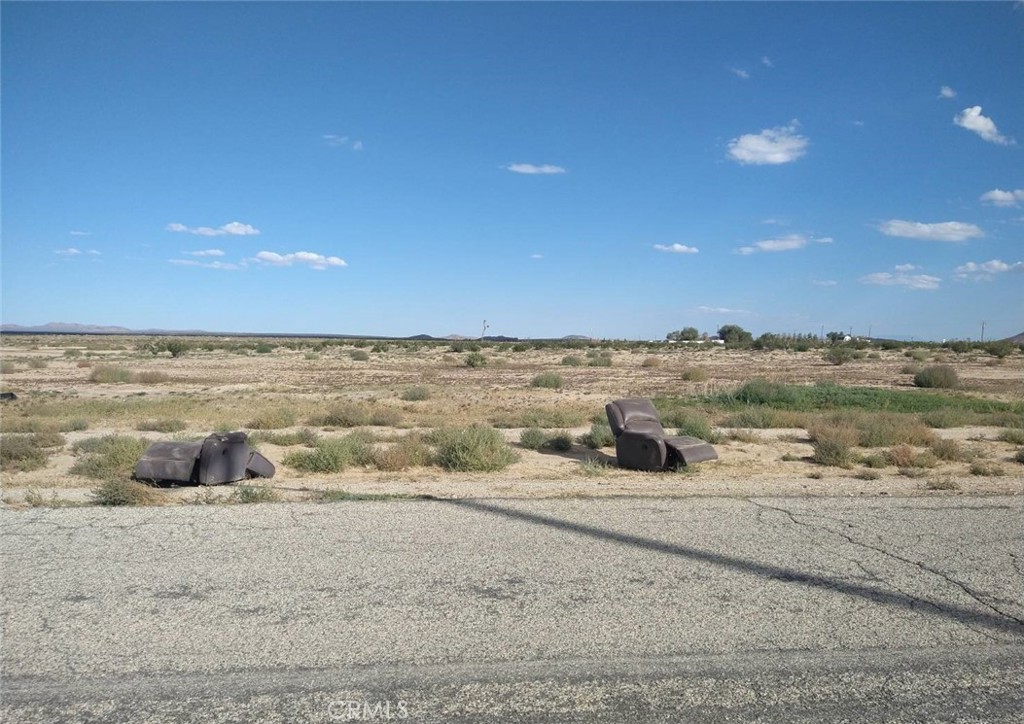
x: 484, y: 330
x: 982, y: 331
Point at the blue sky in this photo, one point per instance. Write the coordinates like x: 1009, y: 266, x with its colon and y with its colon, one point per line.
x: 614, y: 170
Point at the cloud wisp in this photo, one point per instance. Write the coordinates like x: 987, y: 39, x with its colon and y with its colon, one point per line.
x: 205, y: 252
x: 533, y: 169
x: 998, y: 197
x: 225, y: 266
x: 790, y: 242
x: 233, y: 228
x: 986, y: 271
x: 972, y: 119
x: 901, y: 277
x: 335, y: 141
x: 946, y: 92
x: 301, y: 258
x: 770, y: 147
x: 677, y: 248
x: 721, y: 310
x: 951, y: 231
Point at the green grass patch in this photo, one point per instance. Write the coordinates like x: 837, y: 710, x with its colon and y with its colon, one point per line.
x: 543, y: 417
x: 23, y: 452
x: 273, y: 419
x: 600, y: 436
x: 937, y: 376
x: 332, y: 455
x: 109, y: 457
x: 161, y: 426
x: 548, y: 380
x: 415, y: 394
x: 305, y: 436
x: 252, y: 494
x: 533, y: 438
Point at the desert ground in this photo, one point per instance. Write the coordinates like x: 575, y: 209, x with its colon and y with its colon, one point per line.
x: 271, y: 387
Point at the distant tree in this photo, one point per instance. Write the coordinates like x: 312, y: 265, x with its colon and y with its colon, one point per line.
x: 735, y: 335
x: 686, y: 334
x: 836, y: 337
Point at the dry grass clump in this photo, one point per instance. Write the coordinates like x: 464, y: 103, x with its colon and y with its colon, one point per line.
x: 8, y: 368
x: 351, y: 414
x: 572, y: 361
x: 832, y: 444
x: 125, y: 492
x: 695, y: 374
x: 652, y: 362
x: 950, y: 451
x: 411, y: 452
x: 533, y: 438
x: 600, y: 436
x: 987, y: 468
x: 332, y: 455
x: 25, y: 452
x: 548, y: 380
x: 938, y: 376
x: 905, y: 456
x: 273, y: 419
x: 543, y: 417
x: 161, y: 425
x: 415, y: 394
x: 108, y: 374
x: 305, y: 436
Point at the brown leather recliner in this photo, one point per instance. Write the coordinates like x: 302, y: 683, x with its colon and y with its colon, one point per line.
x: 220, y: 458
x: 641, y: 442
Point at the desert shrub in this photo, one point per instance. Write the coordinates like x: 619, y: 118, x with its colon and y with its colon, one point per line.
x: 459, y: 347
x: 385, y: 417
x: 560, y: 441
x: 151, y: 377
x: 918, y: 355
x: 533, y: 438
x: 593, y: 467
x: 948, y: 417
x: 543, y: 417
x: 161, y: 425
x: 333, y: 455
x: 416, y: 394
x: 652, y: 362
x: 272, y: 419
x: 839, y: 355
x: 407, y: 453
x: 985, y: 468
x: 72, y: 352
x: 21, y: 453
x: 125, y: 492
x: 910, y: 369
x: 999, y: 349
x: 520, y: 347
x: 875, y: 460
x: 106, y: 374
x: 472, y: 449
x: 305, y: 436
x: 359, y: 355
x: 757, y: 417
x: 600, y: 361
x: 264, y: 348
x: 949, y: 450
x: 476, y: 359
x: 37, y: 364
x: 938, y: 376
x: 572, y: 361
x: 549, y: 380
x: 346, y: 414
x: 878, y: 429
x: 252, y: 494
x: 600, y: 436
x: 378, y: 348
x: 1019, y: 457
x: 110, y: 456
x: 902, y: 456
x: 832, y: 444
x: 1014, y: 436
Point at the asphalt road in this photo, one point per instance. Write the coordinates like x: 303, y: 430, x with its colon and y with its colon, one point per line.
x: 695, y: 609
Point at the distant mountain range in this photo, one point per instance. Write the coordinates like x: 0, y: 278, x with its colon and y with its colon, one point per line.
x: 74, y: 328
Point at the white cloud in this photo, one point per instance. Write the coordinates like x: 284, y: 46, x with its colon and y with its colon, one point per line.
x: 536, y: 256
x: 311, y: 259
x: 233, y: 228
x: 825, y: 283
x: 80, y: 233
x: 905, y: 267
x: 335, y: 141
x: 205, y: 264
x: 721, y: 310
x: 740, y: 73
x: 943, y: 231
x: 947, y: 92
x: 529, y: 168
x: 94, y: 252
x: 986, y: 270
x: 767, y: 62
x: 205, y: 252
x: 998, y: 197
x: 677, y: 248
x: 972, y: 120
x: 70, y: 251
x: 902, y: 279
x: 790, y: 242
x: 772, y: 146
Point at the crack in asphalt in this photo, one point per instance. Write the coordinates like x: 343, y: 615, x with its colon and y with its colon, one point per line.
x: 974, y: 595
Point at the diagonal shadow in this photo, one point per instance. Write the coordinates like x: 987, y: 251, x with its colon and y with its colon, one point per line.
x: 998, y: 620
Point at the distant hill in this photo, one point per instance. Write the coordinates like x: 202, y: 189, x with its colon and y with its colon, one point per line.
x: 1016, y: 339
x: 65, y: 328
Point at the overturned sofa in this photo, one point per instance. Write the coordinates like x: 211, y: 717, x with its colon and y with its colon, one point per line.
x: 641, y: 442
x: 220, y: 458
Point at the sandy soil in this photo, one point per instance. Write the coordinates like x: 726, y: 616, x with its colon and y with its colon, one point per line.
x: 218, y: 389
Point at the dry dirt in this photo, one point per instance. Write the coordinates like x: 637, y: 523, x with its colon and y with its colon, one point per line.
x: 223, y: 389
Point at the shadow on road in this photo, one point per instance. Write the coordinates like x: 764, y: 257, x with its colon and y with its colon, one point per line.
x: 779, y: 573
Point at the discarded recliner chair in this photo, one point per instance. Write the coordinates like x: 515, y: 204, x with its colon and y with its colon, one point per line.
x: 220, y: 458
x: 641, y: 442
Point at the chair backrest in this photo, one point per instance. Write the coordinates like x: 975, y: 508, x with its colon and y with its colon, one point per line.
x: 635, y: 415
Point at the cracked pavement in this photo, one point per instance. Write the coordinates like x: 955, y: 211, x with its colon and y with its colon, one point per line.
x: 518, y: 610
